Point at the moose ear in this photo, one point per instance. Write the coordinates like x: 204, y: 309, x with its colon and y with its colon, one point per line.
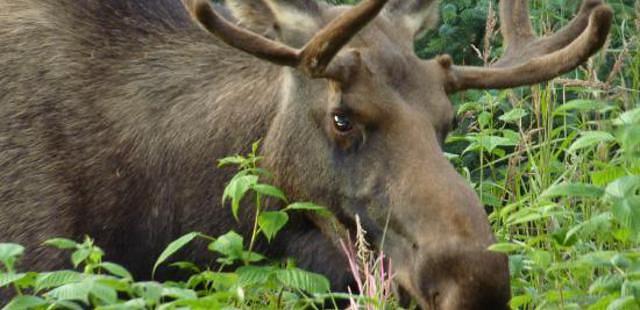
x: 418, y: 16
x: 292, y: 21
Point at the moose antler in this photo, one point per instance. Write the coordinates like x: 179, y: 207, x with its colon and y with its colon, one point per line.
x: 313, y: 58
x: 528, y: 59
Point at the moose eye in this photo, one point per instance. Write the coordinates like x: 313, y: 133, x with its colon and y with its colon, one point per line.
x: 342, y: 123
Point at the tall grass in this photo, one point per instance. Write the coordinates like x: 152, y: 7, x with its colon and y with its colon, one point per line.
x: 559, y: 166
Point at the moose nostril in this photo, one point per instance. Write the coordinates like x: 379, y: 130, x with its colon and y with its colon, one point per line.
x: 435, y: 300
x: 414, y: 246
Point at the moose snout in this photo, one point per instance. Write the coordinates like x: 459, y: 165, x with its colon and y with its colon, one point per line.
x: 463, y: 279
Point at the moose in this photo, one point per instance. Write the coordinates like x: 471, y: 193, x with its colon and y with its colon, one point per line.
x: 113, y: 113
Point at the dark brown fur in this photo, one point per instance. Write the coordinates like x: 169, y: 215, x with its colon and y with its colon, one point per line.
x: 113, y: 115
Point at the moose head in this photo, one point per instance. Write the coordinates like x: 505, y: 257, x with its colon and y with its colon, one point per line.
x: 362, y: 120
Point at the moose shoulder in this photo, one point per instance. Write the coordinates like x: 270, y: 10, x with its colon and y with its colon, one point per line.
x: 112, y: 113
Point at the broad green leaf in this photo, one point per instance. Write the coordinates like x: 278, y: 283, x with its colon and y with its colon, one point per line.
x: 514, y: 115
x: 179, y: 293
x: 487, y: 143
x: 134, y: 304
x: 62, y: 243
x: 580, y: 105
x: 9, y: 278
x: 589, y: 226
x: 521, y: 300
x: 174, y: 247
x: 255, y: 275
x: 10, y: 250
x: 9, y: 253
x: 590, y: 139
x: 610, y: 283
x: 231, y: 160
x: 623, y: 303
x: 116, y: 270
x: 505, y: 247
x: 79, y: 256
x: 66, y: 305
x: 188, y: 266
x: 307, y: 206
x: 578, y: 190
x: 229, y: 245
x: 49, y: 280
x: 269, y: 190
x: 624, y: 194
x: 151, y: 292
x: 69, y: 292
x: 25, y: 303
x: 105, y: 293
x: 628, y: 118
x: 631, y: 288
x: 303, y: 280
x: 236, y: 190
x: 272, y: 222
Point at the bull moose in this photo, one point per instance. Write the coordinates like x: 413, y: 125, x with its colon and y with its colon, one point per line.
x: 114, y: 111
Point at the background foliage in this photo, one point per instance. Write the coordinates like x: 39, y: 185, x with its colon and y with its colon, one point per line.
x: 557, y: 165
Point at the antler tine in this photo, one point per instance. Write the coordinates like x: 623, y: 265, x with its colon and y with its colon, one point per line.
x: 529, y: 60
x: 313, y: 58
x: 516, y: 26
x: 520, y: 39
x: 319, y: 52
x: 240, y: 38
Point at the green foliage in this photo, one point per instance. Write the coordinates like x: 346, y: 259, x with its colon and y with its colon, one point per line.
x: 558, y: 165
x: 105, y: 285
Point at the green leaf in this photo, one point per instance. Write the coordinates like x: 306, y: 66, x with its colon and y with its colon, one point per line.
x: 174, y: 247
x: 580, y: 105
x: 505, y: 247
x: 303, y: 280
x: 307, y: 206
x: 57, y: 278
x: 231, y: 161
x: 590, y: 139
x: 628, y: 118
x: 151, y: 292
x: 62, y: 243
x: 73, y: 291
x: 8, y: 278
x: 179, y: 293
x: 590, y: 226
x: 236, y: 190
x: 229, y: 245
x: 25, y: 303
x: 606, y: 284
x: 624, y: 193
x: 513, y: 115
x: 9, y: 253
x: 487, y: 143
x: 255, y: 275
x: 269, y: 190
x: 272, y: 222
x: 134, y: 304
x: 623, y: 303
x: 116, y: 270
x: 66, y: 305
x: 105, y: 293
x: 573, y: 190
x: 80, y: 256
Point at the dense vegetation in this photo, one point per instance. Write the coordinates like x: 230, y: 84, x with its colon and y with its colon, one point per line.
x: 557, y: 165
